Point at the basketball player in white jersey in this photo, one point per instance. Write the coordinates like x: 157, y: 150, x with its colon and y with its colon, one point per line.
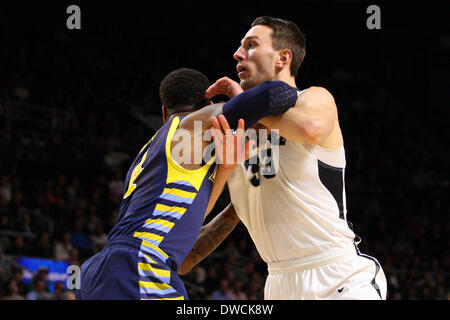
x: 293, y: 202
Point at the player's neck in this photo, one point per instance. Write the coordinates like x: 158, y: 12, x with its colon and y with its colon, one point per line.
x: 178, y: 114
x: 182, y: 112
x: 286, y: 77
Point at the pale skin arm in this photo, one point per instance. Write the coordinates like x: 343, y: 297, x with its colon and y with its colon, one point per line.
x: 210, y: 237
x: 313, y: 120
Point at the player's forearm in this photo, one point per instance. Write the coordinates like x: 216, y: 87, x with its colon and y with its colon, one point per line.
x: 210, y: 237
x: 267, y: 98
x: 220, y: 181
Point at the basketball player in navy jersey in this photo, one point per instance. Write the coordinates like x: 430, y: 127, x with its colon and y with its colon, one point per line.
x: 167, y: 194
x: 296, y: 211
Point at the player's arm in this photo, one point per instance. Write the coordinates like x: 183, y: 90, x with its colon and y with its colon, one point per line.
x: 210, y: 237
x: 311, y: 121
x: 220, y: 181
x: 266, y: 99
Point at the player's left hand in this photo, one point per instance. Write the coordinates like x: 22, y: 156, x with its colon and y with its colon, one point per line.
x: 224, y: 86
x: 231, y: 148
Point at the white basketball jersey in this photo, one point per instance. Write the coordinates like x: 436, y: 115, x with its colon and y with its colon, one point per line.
x: 293, y: 201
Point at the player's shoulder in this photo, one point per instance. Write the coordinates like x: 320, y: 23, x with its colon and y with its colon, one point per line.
x: 317, y: 93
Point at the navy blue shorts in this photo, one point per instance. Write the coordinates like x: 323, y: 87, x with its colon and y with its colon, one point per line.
x: 129, y: 268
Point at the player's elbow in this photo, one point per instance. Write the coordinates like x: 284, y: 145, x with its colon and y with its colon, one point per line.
x: 184, y: 269
x: 313, y: 132
x: 182, y: 272
x: 320, y: 123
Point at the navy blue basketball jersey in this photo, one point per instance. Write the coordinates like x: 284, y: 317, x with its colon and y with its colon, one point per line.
x: 163, y: 203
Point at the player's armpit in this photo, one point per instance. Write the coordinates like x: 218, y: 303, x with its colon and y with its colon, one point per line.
x: 210, y: 237
x: 311, y: 121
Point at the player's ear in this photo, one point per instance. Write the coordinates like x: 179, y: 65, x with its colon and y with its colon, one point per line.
x: 165, y: 113
x: 284, y: 57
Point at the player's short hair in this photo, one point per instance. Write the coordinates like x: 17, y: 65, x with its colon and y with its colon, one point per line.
x: 184, y: 89
x: 286, y: 35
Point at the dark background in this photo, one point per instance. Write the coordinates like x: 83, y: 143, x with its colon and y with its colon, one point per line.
x: 77, y: 105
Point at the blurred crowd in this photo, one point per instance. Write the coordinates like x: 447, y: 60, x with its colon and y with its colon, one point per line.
x: 67, y: 138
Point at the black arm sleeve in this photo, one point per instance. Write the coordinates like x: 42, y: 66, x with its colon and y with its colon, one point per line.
x: 269, y: 98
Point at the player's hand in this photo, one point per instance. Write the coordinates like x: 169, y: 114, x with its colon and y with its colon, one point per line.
x: 231, y: 149
x: 224, y: 86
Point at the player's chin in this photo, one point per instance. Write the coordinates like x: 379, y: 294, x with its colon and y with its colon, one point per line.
x: 246, y: 84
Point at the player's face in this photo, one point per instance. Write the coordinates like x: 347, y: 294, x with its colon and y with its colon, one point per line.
x: 256, y: 57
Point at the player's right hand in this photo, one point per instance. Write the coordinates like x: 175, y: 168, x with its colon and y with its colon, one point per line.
x: 224, y: 86
x: 232, y: 148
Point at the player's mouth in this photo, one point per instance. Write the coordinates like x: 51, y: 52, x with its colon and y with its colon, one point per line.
x: 242, y: 71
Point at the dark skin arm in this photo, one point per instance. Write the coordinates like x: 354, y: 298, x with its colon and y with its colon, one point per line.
x: 210, y: 237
